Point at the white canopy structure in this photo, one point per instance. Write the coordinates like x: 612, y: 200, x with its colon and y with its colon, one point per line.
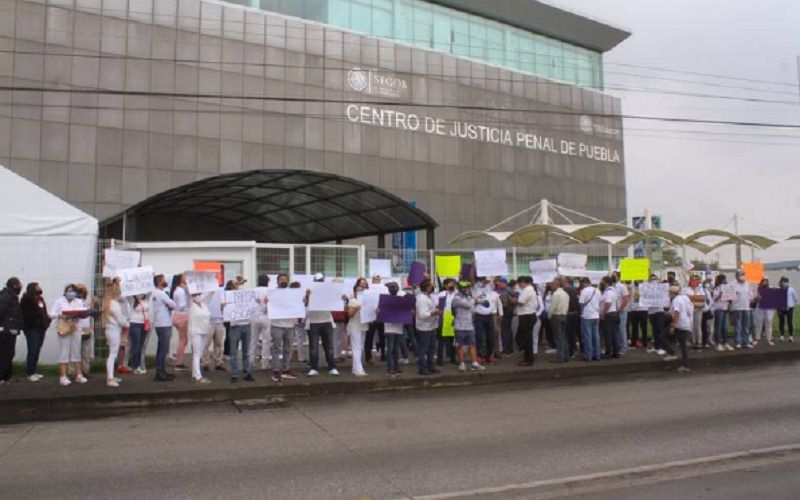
x: 43, y: 239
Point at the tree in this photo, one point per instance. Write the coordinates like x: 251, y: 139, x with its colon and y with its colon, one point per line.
x: 698, y: 265
x: 670, y: 257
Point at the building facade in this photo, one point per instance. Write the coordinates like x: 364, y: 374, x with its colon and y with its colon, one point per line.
x: 471, y: 114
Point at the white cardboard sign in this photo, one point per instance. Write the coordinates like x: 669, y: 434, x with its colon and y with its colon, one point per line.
x: 136, y: 281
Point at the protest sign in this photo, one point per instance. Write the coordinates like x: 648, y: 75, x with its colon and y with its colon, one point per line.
x: 286, y: 303
x: 543, y: 271
x: 653, y: 294
x: 491, y: 263
x: 596, y: 276
x: 448, y: 328
x: 753, y: 271
x: 448, y: 266
x: 728, y: 292
x: 572, y: 264
x: 114, y: 260
x: 305, y: 280
x: 634, y: 269
x: 240, y: 305
x: 201, y: 281
x: 417, y: 273
x: 396, y: 309
x: 215, y: 267
x: 772, y: 298
x: 136, y: 281
x: 380, y: 267
x: 369, y: 304
x: 327, y: 296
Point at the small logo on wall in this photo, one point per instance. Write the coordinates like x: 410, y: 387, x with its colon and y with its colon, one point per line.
x: 586, y: 124
x: 358, y: 79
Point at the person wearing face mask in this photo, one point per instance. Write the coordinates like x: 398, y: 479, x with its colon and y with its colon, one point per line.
x: 11, y: 324
x: 720, y: 308
x: 355, y: 328
x: 69, y: 338
x: 199, y: 329
x: 162, y: 307
x: 113, y: 322
x: 658, y: 323
x: 426, y: 322
x: 282, y: 333
x: 787, y: 315
x: 740, y: 312
x: 35, y: 322
x: 139, y: 324
x: 463, y: 304
x: 445, y: 343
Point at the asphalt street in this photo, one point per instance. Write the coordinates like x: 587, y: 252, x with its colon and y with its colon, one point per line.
x: 434, y: 444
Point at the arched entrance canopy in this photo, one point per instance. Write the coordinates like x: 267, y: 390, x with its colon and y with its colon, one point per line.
x: 275, y: 206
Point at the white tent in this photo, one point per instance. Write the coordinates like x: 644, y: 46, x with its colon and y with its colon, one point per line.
x: 43, y: 239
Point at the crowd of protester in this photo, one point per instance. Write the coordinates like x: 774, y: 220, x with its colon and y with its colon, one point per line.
x: 493, y: 319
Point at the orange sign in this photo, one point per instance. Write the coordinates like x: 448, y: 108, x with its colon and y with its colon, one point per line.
x: 753, y: 271
x: 211, y: 266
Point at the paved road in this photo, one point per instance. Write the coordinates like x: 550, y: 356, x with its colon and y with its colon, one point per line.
x: 403, y: 446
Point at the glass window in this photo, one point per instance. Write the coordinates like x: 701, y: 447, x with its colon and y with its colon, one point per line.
x: 442, y: 30
x: 423, y: 24
x: 460, y: 35
x: 477, y: 39
x: 495, y: 44
x: 361, y: 16
x: 404, y: 22
x: 512, y: 49
x: 382, y: 18
x: 339, y: 13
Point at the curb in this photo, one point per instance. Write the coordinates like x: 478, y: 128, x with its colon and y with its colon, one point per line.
x: 105, y: 405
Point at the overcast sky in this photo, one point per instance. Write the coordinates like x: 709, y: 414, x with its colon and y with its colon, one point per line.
x: 697, y: 180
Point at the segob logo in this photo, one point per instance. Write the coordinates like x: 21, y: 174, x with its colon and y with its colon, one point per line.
x: 358, y: 79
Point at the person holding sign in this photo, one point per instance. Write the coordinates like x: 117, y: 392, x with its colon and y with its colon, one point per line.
x: 239, y: 335
x: 393, y: 334
x: 487, y: 309
x: 658, y: 322
x: 787, y: 315
x: 67, y: 311
x: 281, y: 333
x: 445, y: 341
x: 355, y: 328
x: 720, y: 307
x: 463, y: 304
x: 319, y: 325
x: 427, y: 320
x: 113, y: 322
x: 180, y: 317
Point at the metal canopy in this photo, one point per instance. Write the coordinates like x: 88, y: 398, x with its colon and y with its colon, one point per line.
x: 276, y: 206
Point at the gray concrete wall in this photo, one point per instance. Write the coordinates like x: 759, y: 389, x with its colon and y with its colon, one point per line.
x: 104, y: 152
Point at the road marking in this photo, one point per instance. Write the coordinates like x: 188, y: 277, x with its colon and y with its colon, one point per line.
x: 747, y: 455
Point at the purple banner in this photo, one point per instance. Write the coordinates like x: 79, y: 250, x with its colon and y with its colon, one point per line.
x: 396, y: 309
x: 468, y: 272
x: 417, y: 273
x: 772, y: 298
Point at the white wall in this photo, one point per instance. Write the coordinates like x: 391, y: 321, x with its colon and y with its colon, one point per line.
x: 174, y: 258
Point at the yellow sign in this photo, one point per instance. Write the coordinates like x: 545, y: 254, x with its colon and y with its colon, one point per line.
x: 448, y: 330
x: 448, y: 266
x: 634, y: 269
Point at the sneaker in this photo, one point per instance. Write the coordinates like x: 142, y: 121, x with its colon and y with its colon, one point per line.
x: 276, y: 376
x: 462, y: 367
x: 719, y: 348
x: 661, y: 352
x: 312, y: 373
x: 33, y: 378
x: 738, y: 346
x: 781, y: 338
x: 289, y: 374
x: 178, y: 368
x: 38, y: 376
x: 771, y: 343
x: 791, y: 339
x: 111, y: 383
x: 81, y: 379
x: 550, y: 351
x: 670, y: 358
x: 403, y: 361
x: 728, y: 347
x: 201, y: 380
x: 650, y: 350
x: 360, y: 374
x: 748, y: 346
x: 334, y: 372
x: 64, y: 381
x: 683, y: 369
x: 139, y: 371
x: 117, y: 380
x: 477, y: 367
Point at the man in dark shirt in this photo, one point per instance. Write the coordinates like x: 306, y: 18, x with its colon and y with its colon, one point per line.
x: 10, y: 326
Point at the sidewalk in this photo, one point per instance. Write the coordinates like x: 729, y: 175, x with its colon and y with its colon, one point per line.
x: 23, y: 401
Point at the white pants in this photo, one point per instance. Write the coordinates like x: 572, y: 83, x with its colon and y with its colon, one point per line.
x: 357, y: 345
x: 198, y: 347
x: 112, y: 339
x: 260, y: 341
x: 762, y: 319
x: 697, y: 327
x: 69, y: 348
x: 536, y: 329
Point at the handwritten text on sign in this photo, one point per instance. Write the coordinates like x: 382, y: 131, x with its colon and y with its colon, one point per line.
x: 135, y: 281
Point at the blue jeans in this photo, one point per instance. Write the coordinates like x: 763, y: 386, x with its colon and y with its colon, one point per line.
x: 34, y: 338
x: 590, y: 335
x: 720, y: 327
x: 484, y: 333
x: 317, y: 331
x: 622, y: 339
x: 392, y: 351
x: 426, y: 347
x: 136, y: 336
x: 240, y: 333
x: 741, y: 327
x: 559, y: 325
x: 164, y: 334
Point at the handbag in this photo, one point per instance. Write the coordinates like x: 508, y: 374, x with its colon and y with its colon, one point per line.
x: 66, y: 327
x: 147, y: 324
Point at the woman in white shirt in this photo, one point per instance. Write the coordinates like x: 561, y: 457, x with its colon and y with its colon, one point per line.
x: 140, y: 318
x: 69, y: 337
x: 199, y: 327
x: 355, y: 328
x: 114, y: 321
x: 180, y: 318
